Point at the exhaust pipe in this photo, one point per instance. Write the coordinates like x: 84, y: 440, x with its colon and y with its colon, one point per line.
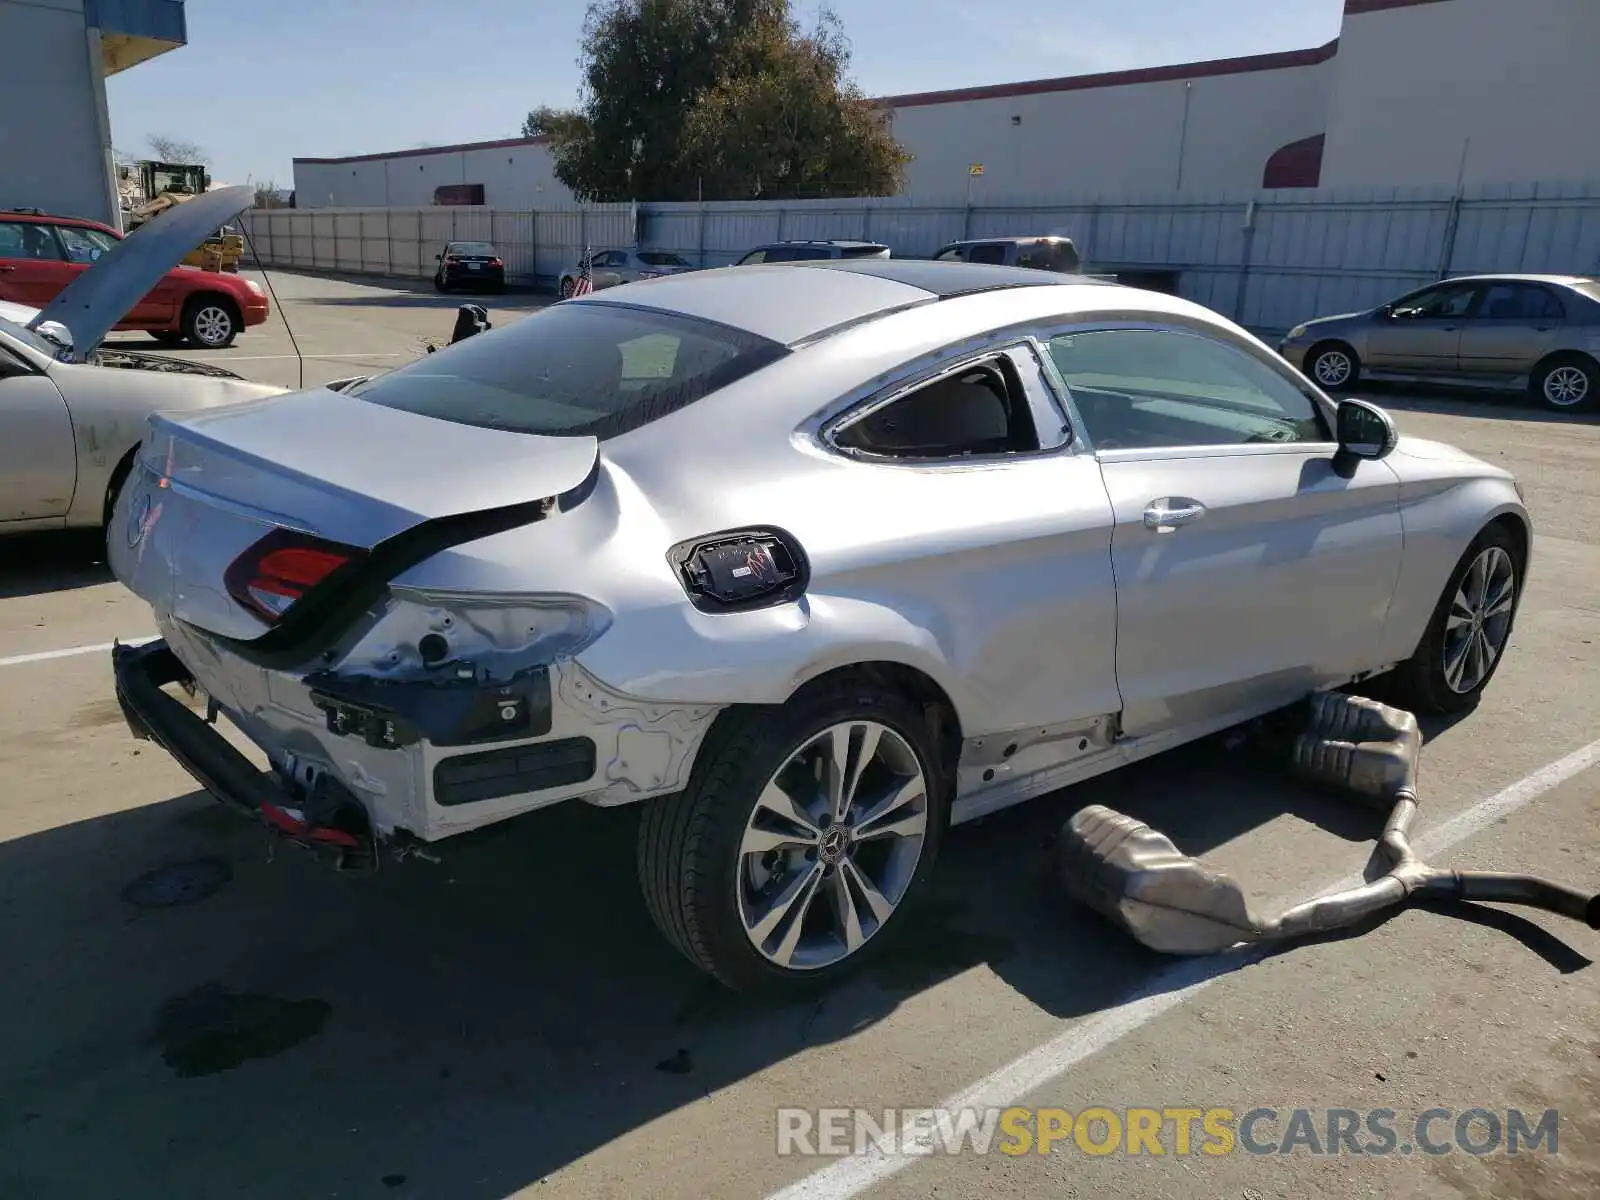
x: 1138, y: 879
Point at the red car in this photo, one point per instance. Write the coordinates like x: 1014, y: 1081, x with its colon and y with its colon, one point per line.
x: 41, y: 254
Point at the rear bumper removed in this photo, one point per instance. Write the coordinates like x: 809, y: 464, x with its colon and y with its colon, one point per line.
x: 360, y: 763
x: 326, y: 822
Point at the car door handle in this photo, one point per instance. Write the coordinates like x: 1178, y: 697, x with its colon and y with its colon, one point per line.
x: 1166, y: 514
x: 7, y: 270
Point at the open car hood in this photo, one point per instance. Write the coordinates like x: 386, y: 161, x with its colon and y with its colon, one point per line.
x: 95, y: 301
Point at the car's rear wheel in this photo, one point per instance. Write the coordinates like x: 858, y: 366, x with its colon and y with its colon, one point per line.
x: 1566, y: 383
x: 1467, y: 635
x: 567, y: 288
x: 806, y: 832
x: 210, y: 322
x: 438, y: 283
x: 1333, y: 365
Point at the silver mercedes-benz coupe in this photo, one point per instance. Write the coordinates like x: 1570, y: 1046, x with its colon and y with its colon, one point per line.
x: 811, y: 560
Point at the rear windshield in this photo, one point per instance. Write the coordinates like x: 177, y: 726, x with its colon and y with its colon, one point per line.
x: 471, y: 248
x: 660, y: 258
x: 575, y: 369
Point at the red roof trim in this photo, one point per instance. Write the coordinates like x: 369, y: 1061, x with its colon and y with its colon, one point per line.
x: 1354, y: 8
x: 1282, y: 60
x: 503, y: 144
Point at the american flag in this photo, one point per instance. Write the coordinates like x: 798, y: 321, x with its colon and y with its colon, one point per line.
x: 585, y: 283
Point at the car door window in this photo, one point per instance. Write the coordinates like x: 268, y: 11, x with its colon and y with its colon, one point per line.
x: 83, y: 245
x: 1144, y: 388
x: 1451, y: 300
x: 1519, y: 302
x: 26, y: 239
x: 953, y: 254
x: 988, y: 252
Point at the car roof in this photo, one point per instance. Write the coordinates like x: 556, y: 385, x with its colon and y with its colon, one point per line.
x: 1011, y: 237
x: 1515, y: 277
x: 34, y: 217
x: 797, y: 302
x: 842, y: 243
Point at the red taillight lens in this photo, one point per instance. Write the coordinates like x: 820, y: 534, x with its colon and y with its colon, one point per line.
x: 280, y: 568
x: 450, y: 260
x: 497, y: 262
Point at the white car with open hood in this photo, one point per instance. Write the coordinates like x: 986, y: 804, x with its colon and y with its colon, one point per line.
x: 809, y: 560
x: 72, y: 413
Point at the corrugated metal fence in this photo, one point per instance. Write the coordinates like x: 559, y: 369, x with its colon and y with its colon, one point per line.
x: 537, y: 246
x: 1267, y: 259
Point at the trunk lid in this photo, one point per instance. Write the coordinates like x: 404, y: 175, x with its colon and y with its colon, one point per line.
x: 210, y: 485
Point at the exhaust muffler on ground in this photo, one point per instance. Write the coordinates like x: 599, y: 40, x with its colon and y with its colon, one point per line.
x: 1137, y: 878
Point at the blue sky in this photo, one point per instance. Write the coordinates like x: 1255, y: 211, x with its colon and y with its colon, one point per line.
x: 264, y: 81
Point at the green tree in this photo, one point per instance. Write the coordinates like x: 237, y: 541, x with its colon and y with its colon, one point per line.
x: 725, y: 98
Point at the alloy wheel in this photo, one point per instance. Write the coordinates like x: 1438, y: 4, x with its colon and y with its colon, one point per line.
x: 1567, y: 386
x: 832, y: 845
x: 212, y: 325
x: 1479, y: 621
x: 1332, y: 368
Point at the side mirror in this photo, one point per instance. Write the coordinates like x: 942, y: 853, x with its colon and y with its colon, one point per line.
x: 1365, y: 431
x: 58, y: 335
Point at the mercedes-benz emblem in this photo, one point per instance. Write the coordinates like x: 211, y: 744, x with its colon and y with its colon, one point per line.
x: 834, y: 843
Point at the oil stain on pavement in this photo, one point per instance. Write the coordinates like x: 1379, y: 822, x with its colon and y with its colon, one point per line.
x: 212, y: 1029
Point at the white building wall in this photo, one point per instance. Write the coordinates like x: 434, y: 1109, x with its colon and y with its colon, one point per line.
x: 52, y: 151
x: 1493, y: 90
x: 1132, y: 138
x: 515, y: 176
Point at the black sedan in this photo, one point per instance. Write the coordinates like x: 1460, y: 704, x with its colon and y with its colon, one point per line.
x: 475, y: 266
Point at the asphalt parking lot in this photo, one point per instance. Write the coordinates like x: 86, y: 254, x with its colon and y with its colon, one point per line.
x: 508, y: 1022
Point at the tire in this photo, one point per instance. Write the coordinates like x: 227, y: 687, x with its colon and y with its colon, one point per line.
x: 438, y: 283
x: 1333, y: 365
x: 211, y: 322
x: 1422, y: 682
x: 1566, y: 383
x: 567, y: 287
x: 704, y: 887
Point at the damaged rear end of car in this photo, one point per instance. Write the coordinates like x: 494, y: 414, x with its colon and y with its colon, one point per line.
x: 309, y: 562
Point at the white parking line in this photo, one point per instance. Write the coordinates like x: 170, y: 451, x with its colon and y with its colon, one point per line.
x: 1170, y: 988
x: 19, y: 660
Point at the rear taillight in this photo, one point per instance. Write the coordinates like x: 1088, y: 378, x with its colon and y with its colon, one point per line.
x: 280, y: 568
x: 450, y: 260
x: 496, y: 262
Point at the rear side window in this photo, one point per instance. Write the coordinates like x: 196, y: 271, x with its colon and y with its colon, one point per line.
x: 574, y: 370
x: 989, y: 252
x: 795, y: 254
x: 862, y: 251
x: 660, y: 258
x: 953, y: 254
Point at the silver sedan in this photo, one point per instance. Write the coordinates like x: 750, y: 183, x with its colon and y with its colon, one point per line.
x: 612, y: 268
x: 810, y: 561
x: 1541, y: 332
